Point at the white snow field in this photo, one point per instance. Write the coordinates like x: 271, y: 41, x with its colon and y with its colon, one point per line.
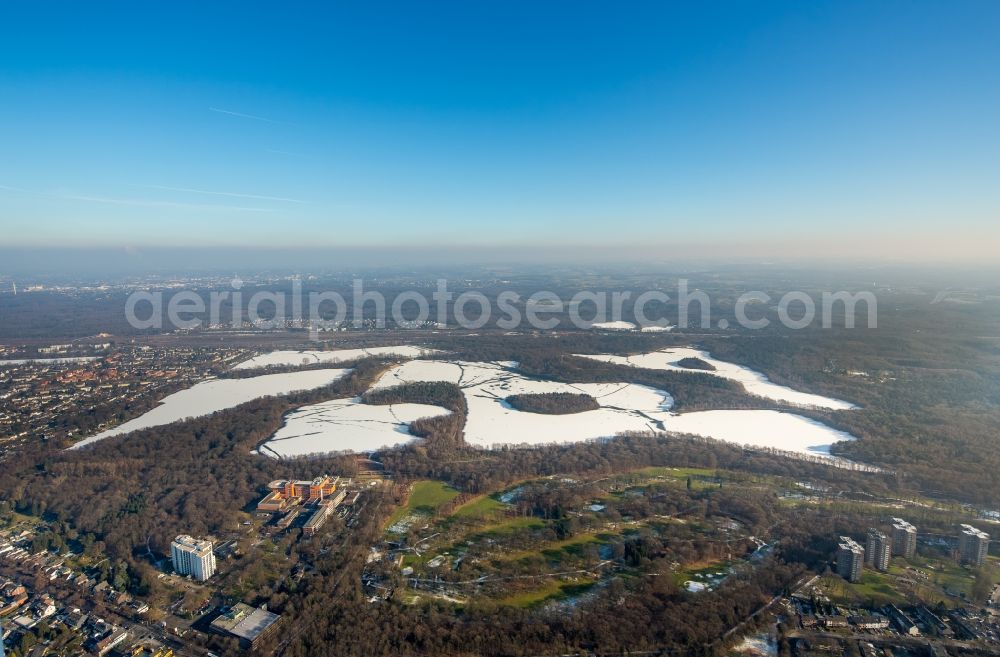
x: 754, y: 382
x: 285, y: 358
x: 345, y: 425
x: 218, y: 394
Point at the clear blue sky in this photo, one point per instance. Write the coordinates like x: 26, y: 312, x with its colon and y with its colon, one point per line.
x: 470, y: 122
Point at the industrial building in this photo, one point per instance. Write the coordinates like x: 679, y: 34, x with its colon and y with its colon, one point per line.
x: 973, y: 544
x: 850, y: 559
x: 193, y: 557
x: 904, y: 538
x: 878, y: 550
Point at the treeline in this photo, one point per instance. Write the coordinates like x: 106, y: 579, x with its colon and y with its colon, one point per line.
x: 692, y: 363
x: 447, y: 431
x: 478, y: 470
x: 553, y: 403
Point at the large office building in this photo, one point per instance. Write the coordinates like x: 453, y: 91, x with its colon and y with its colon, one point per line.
x: 904, y: 538
x: 850, y: 559
x: 972, y: 545
x: 878, y: 551
x: 193, y: 557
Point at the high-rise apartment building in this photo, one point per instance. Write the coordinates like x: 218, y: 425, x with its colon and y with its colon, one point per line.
x: 850, y: 559
x: 904, y: 538
x: 878, y: 551
x: 193, y: 557
x: 972, y: 545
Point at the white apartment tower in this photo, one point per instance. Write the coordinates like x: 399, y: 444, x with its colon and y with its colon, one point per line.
x: 193, y: 557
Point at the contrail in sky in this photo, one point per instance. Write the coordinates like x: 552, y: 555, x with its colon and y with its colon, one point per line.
x: 243, y: 116
x: 231, y: 194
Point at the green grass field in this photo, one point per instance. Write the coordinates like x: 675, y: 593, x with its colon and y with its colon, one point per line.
x: 676, y: 473
x: 506, y: 527
x: 480, y: 508
x: 426, y: 497
x: 551, y: 590
x: 874, y: 587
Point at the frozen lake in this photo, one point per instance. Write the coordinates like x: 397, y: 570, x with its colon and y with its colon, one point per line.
x: 623, y: 407
x: 754, y: 382
x: 347, y: 425
x: 492, y: 421
x: 302, y: 358
x: 218, y: 394
x: 773, y: 429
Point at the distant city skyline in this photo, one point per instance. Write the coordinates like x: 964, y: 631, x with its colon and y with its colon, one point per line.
x: 832, y: 129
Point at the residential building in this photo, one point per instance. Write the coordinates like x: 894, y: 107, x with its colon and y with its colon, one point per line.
x: 903, y: 623
x: 193, y: 557
x: 973, y: 544
x: 869, y: 622
x: 878, y: 551
x: 12, y: 596
x: 904, y: 538
x: 850, y: 559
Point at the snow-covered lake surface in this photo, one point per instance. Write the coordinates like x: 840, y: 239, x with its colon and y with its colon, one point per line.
x: 48, y: 361
x: 218, y: 394
x: 492, y: 421
x: 297, y: 358
x: 761, y: 428
x: 754, y: 382
x: 346, y: 425
x: 624, y: 407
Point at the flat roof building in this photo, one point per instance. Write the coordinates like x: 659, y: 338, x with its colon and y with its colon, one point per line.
x: 248, y: 624
x: 322, y: 513
x: 193, y: 557
x: 850, y: 559
x: 973, y: 544
x: 904, y: 538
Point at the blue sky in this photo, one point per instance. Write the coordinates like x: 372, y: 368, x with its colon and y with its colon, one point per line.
x: 413, y: 123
